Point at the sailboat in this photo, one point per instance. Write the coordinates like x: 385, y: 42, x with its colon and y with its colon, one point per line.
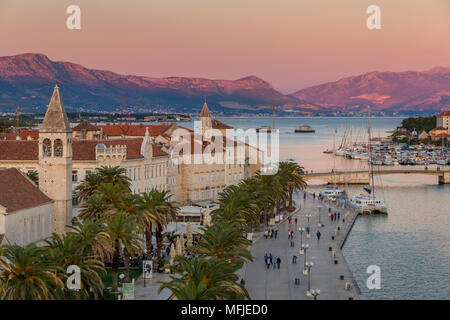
x: 369, y: 204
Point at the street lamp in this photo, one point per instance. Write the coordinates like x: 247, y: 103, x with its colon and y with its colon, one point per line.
x: 307, y: 228
x: 309, y: 265
x: 304, y: 248
x: 301, y: 230
x: 315, y: 293
x: 320, y: 222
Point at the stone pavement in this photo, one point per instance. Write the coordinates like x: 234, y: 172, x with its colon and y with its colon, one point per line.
x: 263, y: 283
x: 150, y: 291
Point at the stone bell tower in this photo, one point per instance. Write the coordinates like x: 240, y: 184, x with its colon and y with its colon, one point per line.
x: 55, y: 162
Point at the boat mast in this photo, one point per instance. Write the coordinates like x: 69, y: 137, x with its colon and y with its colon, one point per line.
x: 372, y: 185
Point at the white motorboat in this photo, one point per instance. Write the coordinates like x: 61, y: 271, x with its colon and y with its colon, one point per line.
x: 332, y: 194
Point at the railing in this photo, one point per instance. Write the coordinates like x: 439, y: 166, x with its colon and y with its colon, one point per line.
x: 111, y: 151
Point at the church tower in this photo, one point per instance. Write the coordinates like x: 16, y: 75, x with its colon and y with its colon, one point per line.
x: 205, y: 118
x: 55, y: 162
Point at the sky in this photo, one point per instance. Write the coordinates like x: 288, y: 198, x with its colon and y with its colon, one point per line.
x: 292, y: 44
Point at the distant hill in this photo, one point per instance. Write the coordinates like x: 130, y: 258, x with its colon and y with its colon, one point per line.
x: 28, y: 79
x: 384, y: 91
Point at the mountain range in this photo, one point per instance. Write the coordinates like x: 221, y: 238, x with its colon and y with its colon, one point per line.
x: 27, y: 79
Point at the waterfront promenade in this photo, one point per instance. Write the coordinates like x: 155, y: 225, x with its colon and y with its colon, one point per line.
x: 263, y: 283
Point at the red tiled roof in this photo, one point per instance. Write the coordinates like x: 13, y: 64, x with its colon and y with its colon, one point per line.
x: 114, y: 130
x: 18, y: 193
x: 85, y: 125
x: 23, y: 135
x: 7, y: 136
x: 217, y: 124
x: 81, y: 150
x: 19, y: 150
x: 444, y: 114
x: 33, y: 134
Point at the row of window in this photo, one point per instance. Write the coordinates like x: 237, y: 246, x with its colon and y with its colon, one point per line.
x: 219, y: 176
x: 206, y: 194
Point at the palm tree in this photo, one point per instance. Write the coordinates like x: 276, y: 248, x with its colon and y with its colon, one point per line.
x: 203, y: 279
x: 129, y: 205
x: 224, y: 241
x: 93, y: 238
x: 115, y: 175
x: 24, y: 276
x: 291, y: 176
x: 273, y: 191
x: 88, y: 186
x: 122, y: 230
x: 33, y: 175
x: 104, y: 174
x: 70, y: 249
x: 94, y: 208
x: 159, y: 210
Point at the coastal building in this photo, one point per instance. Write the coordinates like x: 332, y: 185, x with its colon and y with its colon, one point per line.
x: 443, y: 120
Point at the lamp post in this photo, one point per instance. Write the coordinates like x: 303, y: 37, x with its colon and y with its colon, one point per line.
x: 307, y: 227
x: 304, y: 248
x: 320, y: 222
x: 309, y: 265
x: 301, y: 230
x: 315, y: 293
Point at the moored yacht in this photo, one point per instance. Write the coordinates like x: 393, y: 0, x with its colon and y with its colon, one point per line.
x: 368, y: 204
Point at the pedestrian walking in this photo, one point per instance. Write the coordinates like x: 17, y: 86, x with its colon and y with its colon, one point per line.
x: 318, y: 235
x: 335, y: 216
x: 270, y: 258
x: 339, y: 216
x: 304, y: 195
x: 289, y: 234
x: 276, y: 233
x: 266, y: 233
x: 271, y: 233
x: 331, y: 217
x: 274, y: 266
x: 314, y: 196
x: 296, y: 220
x: 289, y: 220
x: 278, y: 262
x: 266, y: 258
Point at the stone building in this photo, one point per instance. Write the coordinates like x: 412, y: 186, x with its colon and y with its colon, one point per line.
x: 26, y: 213
x: 443, y: 120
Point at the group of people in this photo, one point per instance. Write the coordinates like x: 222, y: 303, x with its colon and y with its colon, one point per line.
x: 335, y: 216
x: 271, y: 233
x: 290, y: 220
x: 290, y: 234
x: 271, y: 260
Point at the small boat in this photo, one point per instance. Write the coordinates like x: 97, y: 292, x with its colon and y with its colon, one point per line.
x: 304, y: 129
x: 328, y: 151
x: 332, y: 194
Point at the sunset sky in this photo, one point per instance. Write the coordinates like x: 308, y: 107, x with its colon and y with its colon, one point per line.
x: 290, y: 43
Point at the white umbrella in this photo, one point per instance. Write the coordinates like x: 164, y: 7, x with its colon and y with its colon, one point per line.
x: 179, y: 247
x: 207, y: 218
x: 172, y: 253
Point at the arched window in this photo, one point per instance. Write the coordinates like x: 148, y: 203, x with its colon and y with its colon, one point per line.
x: 58, y: 148
x: 47, y: 148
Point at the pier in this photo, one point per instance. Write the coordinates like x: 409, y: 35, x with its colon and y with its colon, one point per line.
x: 362, y: 176
x: 329, y: 273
